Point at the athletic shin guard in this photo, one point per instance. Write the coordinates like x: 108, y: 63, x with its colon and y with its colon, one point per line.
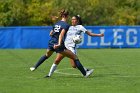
x: 40, y: 61
x: 80, y: 67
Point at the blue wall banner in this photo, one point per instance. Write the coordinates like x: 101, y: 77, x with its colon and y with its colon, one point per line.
x: 38, y: 36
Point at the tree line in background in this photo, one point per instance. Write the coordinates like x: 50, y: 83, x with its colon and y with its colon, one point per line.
x: 93, y: 12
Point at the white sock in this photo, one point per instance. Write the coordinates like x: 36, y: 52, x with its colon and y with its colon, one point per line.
x: 53, y: 68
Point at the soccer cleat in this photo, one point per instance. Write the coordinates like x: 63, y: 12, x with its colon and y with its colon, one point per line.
x: 88, y: 73
x: 32, y: 68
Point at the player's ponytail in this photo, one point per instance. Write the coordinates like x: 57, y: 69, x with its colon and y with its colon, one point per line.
x: 64, y: 13
x: 79, y: 19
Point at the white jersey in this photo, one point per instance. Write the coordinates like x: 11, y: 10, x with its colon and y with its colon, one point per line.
x: 73, y: 30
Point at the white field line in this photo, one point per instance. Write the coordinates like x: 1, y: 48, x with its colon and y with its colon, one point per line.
x: 59, y: 71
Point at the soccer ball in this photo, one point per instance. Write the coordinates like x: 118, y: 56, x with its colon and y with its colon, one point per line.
x: 77, y: 39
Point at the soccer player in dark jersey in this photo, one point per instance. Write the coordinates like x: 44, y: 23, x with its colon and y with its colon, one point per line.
x: 76, y: 28
x: 56, y: 44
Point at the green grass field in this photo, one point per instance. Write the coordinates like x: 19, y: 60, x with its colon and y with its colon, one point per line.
x: 116, y: 71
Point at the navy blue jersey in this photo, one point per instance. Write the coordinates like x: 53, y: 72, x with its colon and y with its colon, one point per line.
x: 57, y: 28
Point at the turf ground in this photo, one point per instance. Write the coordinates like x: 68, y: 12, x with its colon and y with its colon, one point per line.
x: 116, y: 71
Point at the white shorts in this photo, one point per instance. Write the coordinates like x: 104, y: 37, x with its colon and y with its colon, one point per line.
x: 72, y: 49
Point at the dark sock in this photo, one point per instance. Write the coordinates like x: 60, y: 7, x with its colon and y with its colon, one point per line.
x: 40, y: 61
x: 80, y: 67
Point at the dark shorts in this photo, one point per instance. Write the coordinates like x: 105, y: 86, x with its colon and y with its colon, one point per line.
x: 59, y: 50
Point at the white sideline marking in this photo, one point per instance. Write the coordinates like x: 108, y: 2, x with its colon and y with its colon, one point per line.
x: 59, y: 72
x: 67, y: 73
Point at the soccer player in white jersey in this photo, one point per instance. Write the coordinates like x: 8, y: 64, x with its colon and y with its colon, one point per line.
x: 75, y: 29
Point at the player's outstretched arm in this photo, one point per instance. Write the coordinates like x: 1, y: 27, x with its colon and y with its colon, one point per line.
x: 93, y: 34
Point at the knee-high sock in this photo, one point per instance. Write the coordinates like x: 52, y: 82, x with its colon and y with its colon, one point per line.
x: 80, y: 67
x: 53, y: 68
x: 40, y: 61
x: 84, y: 68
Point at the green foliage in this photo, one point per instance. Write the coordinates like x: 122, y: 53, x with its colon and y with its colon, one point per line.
x: 93, y: 12
x: 12, y: 13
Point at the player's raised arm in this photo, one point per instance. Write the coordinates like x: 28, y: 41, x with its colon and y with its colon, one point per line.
x: 93, y: 34
x: 81, y: 28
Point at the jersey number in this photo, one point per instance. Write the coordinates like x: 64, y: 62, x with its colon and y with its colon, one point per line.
x: 57, y: 28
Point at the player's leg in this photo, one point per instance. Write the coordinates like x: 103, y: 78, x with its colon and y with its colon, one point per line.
x: 72, y: 63
x: 59, y: 57
x: 74, y: 66
x: 71, y: 55
x: 73, y: 50
x: 42, y: 59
